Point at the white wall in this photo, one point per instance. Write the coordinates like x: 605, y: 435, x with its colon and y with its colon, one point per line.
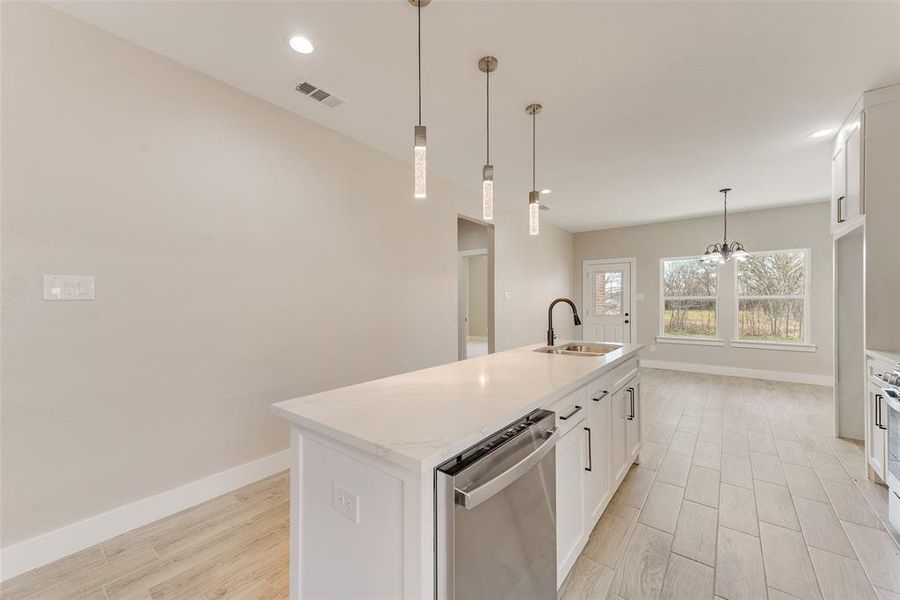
x: 805, y: 226
x: 478, y: 290
x: 236, y: 249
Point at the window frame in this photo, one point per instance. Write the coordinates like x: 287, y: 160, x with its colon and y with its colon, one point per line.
x: 802, y: 345
x: 663, y: 337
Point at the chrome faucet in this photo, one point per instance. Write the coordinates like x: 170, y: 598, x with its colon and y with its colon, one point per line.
x: 551, y: 337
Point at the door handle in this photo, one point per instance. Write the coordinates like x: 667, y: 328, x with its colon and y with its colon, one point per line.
x: 590, y: 458
x: 840, y: 210
x: 601, y: 396
x: 631, y: 400
x: 571, y: 414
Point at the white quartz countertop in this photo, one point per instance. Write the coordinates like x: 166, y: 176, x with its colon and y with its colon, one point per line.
x: 888, y: 355
x: 418, y: 420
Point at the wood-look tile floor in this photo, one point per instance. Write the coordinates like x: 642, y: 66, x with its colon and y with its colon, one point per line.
x: 232, y: 547
x: 742, y: 492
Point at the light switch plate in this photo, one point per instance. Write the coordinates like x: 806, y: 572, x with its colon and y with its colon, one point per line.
x: 68, y: 287
x: 345, y: 502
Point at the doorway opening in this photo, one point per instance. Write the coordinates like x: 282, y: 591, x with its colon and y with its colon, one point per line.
x: 608, y: 300
x: 475, y: 257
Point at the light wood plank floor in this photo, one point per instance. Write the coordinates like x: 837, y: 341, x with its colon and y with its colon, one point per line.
x: 742, y: 493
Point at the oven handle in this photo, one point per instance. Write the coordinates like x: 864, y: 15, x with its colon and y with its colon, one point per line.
x: 472, y: 498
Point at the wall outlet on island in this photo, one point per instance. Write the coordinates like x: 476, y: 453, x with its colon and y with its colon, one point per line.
x: 345, y: 502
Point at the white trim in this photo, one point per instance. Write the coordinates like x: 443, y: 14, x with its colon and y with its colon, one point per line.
x: 474, y: 252
x: 808, y: 378
x: 632, y: 289
x: 669, y: 339
x: 762, y: 345
x: 53, y: 545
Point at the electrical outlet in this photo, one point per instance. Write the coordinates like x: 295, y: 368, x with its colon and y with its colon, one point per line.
x: 345, y: 502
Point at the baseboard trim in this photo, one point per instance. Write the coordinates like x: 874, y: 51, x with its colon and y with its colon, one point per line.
x: 787, y: 376
x: 53, y: 545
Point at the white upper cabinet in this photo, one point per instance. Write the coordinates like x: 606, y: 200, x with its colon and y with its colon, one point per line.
x: 847, y: 172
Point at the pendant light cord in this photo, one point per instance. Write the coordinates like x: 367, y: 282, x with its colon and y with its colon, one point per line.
x: 725, y: 239
x: 533, y: 148
x: 419, y: 52
x: 488, y: 120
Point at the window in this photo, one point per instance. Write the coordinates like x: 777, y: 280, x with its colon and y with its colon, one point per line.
x: 608, y: 293
x: 689, y: 298
x: 772, y: 297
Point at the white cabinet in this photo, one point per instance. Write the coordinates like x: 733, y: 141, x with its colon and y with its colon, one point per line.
x: 847, y: 190
x: 876, y: 431
x: 600, y: 437
x: 632, y: 421
x: 571, y: 528
x: 618, y: 442
x: 598, y: 428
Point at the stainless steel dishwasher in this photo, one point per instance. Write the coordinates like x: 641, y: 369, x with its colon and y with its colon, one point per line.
x: 495, y: 516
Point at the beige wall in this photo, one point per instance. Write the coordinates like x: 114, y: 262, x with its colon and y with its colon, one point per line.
x: 236, y: 248
x: 805, y: 226
x: 478, y: 273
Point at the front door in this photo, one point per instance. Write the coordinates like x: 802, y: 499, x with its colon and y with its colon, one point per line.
x: 607, y: 302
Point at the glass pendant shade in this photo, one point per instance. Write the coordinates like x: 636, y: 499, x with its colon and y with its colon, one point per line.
x: 420, y: 151
x: 487, y: 192
x: 534, y: 213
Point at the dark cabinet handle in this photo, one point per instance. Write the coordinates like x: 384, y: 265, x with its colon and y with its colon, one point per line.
x: 878, y: 399
x: 840, y: 211
x: 626, y: 314
x: 631, y: 400
x: 590, y: 458
x: 571, y: 414
x: 601, y: 396
x: 626, y: 320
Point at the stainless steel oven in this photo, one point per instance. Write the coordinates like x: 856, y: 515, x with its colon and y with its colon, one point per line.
x: 495, y: 516
x: 892, y: 419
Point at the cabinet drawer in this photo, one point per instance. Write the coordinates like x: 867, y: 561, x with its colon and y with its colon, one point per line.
x: 621, y: 374
x: 570, y: 410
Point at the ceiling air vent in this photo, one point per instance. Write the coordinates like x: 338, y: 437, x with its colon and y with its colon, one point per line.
x: 318, y: 94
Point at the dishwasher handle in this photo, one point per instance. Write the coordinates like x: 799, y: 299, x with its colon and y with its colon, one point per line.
x: 472, y: 498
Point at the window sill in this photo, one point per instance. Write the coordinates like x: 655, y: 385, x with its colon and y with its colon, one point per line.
x: 789, y: 346
x: 690, y: 341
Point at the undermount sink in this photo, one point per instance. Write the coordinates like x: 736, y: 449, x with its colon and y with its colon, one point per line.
x: 580, y: 349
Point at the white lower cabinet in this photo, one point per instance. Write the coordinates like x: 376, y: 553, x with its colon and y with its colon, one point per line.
x: 598, y: 428
x: 596, y: 448
x: 876, y: 431
x: 571, y: 529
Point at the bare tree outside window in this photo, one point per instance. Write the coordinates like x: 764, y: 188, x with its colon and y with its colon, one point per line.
x: 771, y: 288
x: 690, y: 296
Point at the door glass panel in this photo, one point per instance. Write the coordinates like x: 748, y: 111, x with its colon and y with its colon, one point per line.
x: 607, y: 293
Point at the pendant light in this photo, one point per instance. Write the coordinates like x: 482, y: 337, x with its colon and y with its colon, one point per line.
x: 534, y: 196
x: 487, y: 65
x: 419, y: 138
x: 719, y: 253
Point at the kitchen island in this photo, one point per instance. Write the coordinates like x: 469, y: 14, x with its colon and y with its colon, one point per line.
x: 364, y: 458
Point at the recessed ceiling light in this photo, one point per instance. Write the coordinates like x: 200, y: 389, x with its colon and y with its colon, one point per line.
x: 301, y: 44
x: 820, y: 133
x: 546, y: 191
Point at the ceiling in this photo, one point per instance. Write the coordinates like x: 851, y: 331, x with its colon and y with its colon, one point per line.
x: 649, y: 108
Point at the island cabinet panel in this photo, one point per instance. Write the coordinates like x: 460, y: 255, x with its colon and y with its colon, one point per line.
x: 632, y: 422
x: 599, y: 429
x: 619, y: 418
x: 571, y: 527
